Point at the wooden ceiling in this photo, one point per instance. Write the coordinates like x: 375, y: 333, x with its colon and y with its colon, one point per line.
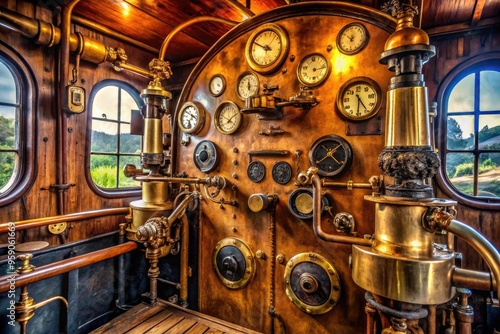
x: 150, y: 21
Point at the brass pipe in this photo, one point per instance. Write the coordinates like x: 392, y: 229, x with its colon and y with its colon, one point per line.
x: 72, y: 217
x: 113, y: 34
x: 184, y: 270
x: 137, y: 70
x: 343, y: 239
x: 431, y: 320
x: 487, y: 251
x: 349, y: 185
x: 166, y: 42
x: 64, y: 266
x: 472, y: 279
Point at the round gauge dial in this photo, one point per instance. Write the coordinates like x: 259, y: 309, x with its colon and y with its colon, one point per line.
x: 300, y: 203
x: 331, y: 154
x: 217, y: 85
x: 282, y: 172
x: 227, y: 118
x: 352, y: 38
x: 191, y: 117
x: 205, y: 156
x: 256, y: 171
x: 313, y: 69
x: 247, y: 85
x: 359, y: 98
x: 267, y: 48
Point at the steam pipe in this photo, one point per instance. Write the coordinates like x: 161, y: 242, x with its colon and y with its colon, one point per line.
x: 343, y: 239
x: 472, y: 279
x: 184, y: 270
x: 72, y: 217
x: 166, y: 42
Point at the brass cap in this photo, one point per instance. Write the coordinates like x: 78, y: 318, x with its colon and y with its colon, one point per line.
x: 406, y: 34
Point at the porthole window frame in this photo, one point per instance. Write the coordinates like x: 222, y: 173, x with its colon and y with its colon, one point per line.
x: 26, y: 120
x: 472, y: 65
x: 108, y: 192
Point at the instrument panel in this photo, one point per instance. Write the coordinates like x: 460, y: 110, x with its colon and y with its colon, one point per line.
x: 264, y: 131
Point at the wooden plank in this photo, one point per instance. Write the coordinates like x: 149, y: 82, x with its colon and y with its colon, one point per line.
x: 166, y: 324
x: 151, y: 322
x: 129, y: 319
x: 182, y: 326
x: 478, y: 12
x: 197, y: 329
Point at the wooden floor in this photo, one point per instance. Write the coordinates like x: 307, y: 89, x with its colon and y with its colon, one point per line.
x: 165, y: 317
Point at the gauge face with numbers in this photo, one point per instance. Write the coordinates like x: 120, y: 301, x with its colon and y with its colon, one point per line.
x: 267, y: 48
x: 191, y: 117
x: 352, y: 38
x: 228, y: 118
x: 313, y: 69
x: 247, y: 85
x: 359, y: 99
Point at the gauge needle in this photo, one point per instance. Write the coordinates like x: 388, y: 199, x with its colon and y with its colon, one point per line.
x: 329, y: 153
x: 265, y: 47
x: 359, y: 101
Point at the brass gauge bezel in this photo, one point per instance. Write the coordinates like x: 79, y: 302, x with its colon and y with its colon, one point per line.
x: 317, y: 80
x: 266, y: 65
x: 308, y: 283
x: 200, y: 114
x: 247, y: 255
x: 211, y: 89
x: 332, y: 155
x: 253, y: 83
x: 237, y: 117
x: 346, y: 92
x: 364, y: 38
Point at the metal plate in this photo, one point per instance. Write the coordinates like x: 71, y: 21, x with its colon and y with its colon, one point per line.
x: 312, y: 283
x: 282, y: 172
x: 205, y: 156
x: 256, y: 171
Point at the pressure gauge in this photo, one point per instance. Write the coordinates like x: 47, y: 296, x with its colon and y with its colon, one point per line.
x: 191, y: 117
x: 205, y: 156
x: 300, y: 203
x: 331, y: 154
x: 217, y: 85
x: 247, y: 85
x: 359, y: 98
x: 256, y: 171
x: 227, y: 118
x: 352, y: 38
x: 313, y: 69
x: 267, y: 48
x: 282, y: 172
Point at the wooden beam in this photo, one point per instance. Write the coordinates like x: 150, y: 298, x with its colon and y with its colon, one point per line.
x: 478, y: 12
x: 462, y: 28
x: 240, y: 8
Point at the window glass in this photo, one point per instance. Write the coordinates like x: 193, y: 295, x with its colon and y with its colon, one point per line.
x: 472, y: 157
x: 112, y: 144
x: 462, y: 96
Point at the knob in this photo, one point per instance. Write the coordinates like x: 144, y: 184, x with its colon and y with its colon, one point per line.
x: 259, y: 202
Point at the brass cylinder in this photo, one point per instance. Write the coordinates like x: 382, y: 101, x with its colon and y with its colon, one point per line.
x: 155, y: 192
x: 153, y: 136
x: 407, y: 122
x: 399, y: 232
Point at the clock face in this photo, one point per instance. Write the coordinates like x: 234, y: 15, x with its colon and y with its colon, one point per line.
x: 331, y: 154
x: 359, y: 99
x: 247, y: 85
x: 267, y: 48
x: 227, y: 118
x: 313, y: 69
x: 352, y: 38
x: 217, y: 85
x: 191, y: 117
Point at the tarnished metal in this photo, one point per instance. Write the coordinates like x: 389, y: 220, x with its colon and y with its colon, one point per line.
x: 233, y: 262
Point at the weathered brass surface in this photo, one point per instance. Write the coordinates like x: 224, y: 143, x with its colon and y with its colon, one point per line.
x: 31, y: 246
x: 233, y: 262
x: 312, y: 283
x: 417, y: 281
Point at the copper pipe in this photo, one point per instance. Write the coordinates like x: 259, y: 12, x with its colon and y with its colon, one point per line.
x: 487, y: 251
x: 472, y: 279
x: 137, y: 70
x: 166, y: 42
x: 348, y: 185
x: 37, y: 222
x: 184, y: 270
x: 431, y: 320
x: 64, y: 266
x: 343, y: 239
